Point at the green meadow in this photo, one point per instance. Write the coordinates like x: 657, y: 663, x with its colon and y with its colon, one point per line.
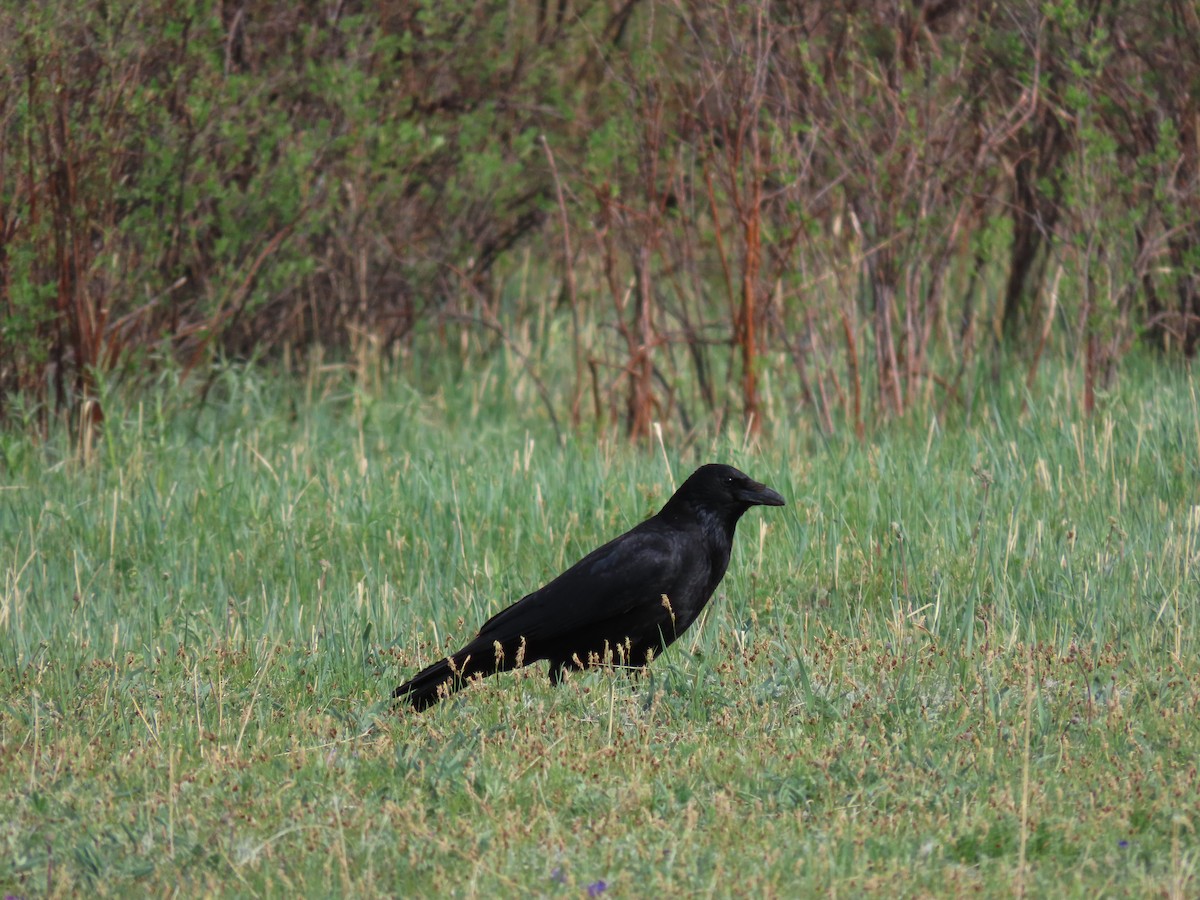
x: 961, y: 660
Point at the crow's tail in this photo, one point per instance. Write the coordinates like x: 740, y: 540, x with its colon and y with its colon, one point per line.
x: 436, y: 682
x: 428, y: 686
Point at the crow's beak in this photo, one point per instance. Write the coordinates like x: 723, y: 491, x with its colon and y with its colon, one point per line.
x: 760, y: 495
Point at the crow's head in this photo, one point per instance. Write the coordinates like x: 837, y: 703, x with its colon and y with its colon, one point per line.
x: 723, y: 490
x: 731, y: 485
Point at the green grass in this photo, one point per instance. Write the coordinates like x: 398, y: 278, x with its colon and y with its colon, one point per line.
x: 959, y: 660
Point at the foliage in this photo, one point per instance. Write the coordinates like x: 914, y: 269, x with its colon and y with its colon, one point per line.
x: 859, y: 203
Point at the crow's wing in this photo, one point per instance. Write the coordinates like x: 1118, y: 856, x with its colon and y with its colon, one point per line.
x: 624, y: 580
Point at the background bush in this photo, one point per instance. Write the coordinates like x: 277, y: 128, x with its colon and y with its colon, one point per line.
x: 656, y: 206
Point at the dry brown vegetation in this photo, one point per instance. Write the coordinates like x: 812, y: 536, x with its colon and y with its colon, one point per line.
x: 868, y: 200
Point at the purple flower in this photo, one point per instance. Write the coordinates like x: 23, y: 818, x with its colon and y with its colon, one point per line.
x: 596, y: 888
x: 1122, y: 844
x: 558, y: 876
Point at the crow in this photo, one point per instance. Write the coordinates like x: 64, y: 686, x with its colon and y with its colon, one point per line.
x: 621, y: 604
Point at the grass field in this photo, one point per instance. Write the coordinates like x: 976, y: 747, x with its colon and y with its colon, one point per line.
x: 961, y: 660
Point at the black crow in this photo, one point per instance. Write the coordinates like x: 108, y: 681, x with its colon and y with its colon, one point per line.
x: 621, y: 604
